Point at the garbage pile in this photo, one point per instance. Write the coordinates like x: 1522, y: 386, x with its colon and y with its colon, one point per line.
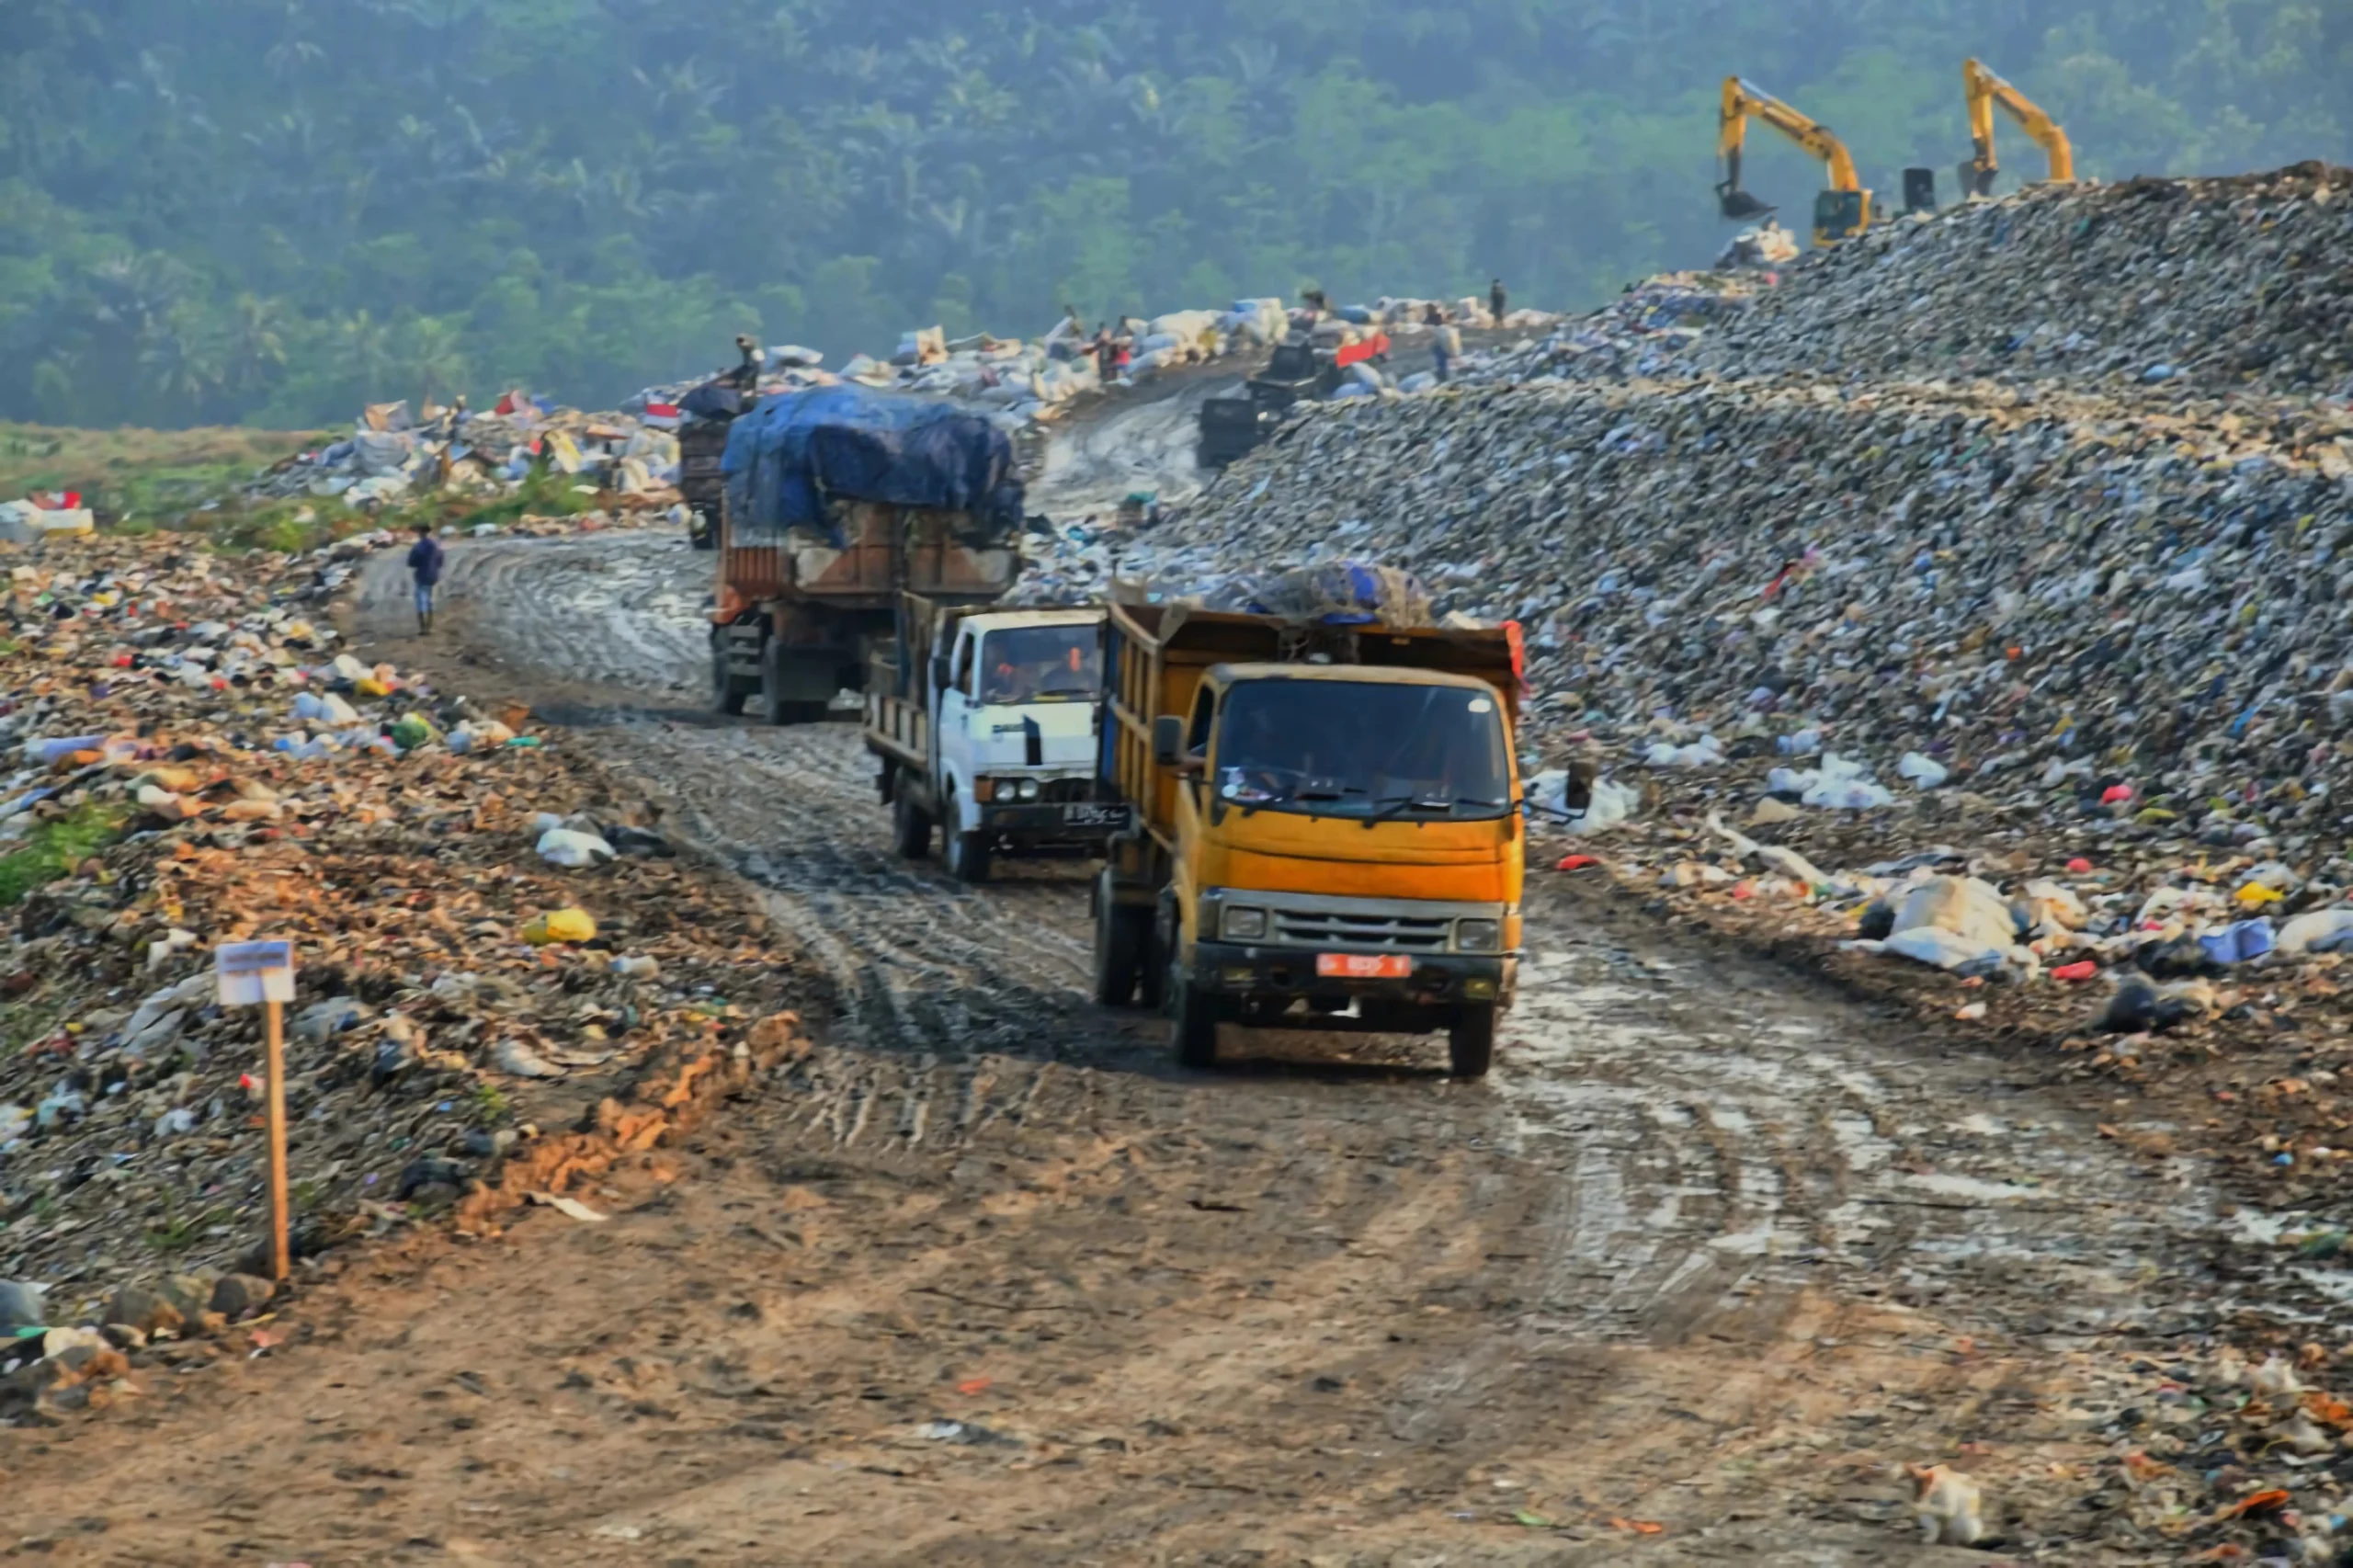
x: 2239, y: 282
x: 2150, y: 598
x: 1652, y: 330
x: 394, y: 455
x: 1848, y: 620
x: 488, y: 942
x: 629, y: 458
x: 2225, y: 1454
x: 1032, y: 381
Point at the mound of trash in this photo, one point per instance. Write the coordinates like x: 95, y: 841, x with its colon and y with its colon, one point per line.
x: 2239, y: 282
x: 629, y: 458
x: 2031, y: 592
x: 485, y: 940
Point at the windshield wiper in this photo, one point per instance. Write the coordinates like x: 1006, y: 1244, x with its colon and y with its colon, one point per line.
x: 1396, y: 805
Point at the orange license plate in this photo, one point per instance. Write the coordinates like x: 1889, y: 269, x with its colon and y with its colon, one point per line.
x: 1364, y: 966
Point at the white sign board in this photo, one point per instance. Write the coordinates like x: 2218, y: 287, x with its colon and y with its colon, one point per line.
x: 252, y: 972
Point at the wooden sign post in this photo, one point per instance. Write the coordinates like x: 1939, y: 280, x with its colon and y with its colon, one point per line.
x: 263, y: 972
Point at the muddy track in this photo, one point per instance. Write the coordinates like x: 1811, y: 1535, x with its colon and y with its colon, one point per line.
x: 1681, y: 1156
x: 985, y: 1279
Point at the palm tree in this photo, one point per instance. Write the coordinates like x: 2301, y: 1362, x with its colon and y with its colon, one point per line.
x: 257, y: 342
x: 431, y: 357
x: 365, y: 344
x: 179, y: 354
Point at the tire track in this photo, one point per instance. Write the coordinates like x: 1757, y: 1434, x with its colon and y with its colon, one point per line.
x: 1673, y: 1152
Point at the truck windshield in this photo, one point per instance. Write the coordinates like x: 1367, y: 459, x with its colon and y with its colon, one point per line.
x: 1042, y: 663
x: 1333, y: 748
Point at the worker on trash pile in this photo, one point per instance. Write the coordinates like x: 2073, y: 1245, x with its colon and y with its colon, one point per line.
x: 1446, y: 341
x: 748, y: 374
x: 1318, y: 305
x: 1497, y: 301
x: 1106, y: 353
x: 424, y: 566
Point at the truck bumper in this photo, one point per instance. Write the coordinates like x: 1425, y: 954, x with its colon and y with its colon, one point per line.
x: 1059, y: 822
x: 1265, y: 975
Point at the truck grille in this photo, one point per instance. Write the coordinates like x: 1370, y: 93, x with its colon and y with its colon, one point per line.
x: 1066, y: 790
x: 1363, y: 933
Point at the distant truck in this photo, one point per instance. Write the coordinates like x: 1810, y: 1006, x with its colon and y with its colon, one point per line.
x: 1234, y: 425
x: 985, y: 722
x: 1328, y: 827
x: 837, y: 501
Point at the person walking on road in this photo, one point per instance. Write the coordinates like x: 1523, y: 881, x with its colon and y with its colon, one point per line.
x: 424, y: 567
x: 1498, y: 303
x: 1446, y: 341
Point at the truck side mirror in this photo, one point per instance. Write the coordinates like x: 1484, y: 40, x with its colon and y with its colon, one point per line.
x: 940, y: 672
x: 1167, y: 740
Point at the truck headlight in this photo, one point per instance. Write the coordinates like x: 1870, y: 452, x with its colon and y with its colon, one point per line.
x: 1478, y: 936
x: 1243, y: 925
x: 1027, y: 788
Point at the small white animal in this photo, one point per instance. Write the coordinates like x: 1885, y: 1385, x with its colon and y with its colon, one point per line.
x: 1948, y: 1504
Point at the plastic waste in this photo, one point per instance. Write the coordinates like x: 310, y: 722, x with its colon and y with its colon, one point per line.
x: 560, y: 925
x: 1947, y: 949
x: 1926, y: 772
x: 1610, y: 804
x: 572, y: 849
x: 2240, y: 942
x: 2320, y: 931
x: 1705, y: 752
x: 1962, y: 906
x: 22, y: 1304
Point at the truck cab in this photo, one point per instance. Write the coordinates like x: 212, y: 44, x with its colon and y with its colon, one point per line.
x: 990, y: 736
x: 1328, y: 846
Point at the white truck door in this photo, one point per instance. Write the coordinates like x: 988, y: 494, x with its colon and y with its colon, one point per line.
x: 951, y: 739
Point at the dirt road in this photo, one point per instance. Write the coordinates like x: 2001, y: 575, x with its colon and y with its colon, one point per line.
x: 987, y: 1280
x: 1143, y: 441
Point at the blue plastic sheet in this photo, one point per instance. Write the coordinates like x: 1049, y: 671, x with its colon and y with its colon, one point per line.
x: 788, y: 456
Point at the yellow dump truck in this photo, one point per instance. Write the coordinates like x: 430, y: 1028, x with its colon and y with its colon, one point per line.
x: 1329, y: 830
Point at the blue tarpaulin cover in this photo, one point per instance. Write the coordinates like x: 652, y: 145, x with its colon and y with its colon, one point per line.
x: 786, y: 457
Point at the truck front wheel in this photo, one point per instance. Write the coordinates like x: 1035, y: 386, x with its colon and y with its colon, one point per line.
x: 1193, y: 1026
x: 968, y: 858
x: 1470, y: 1041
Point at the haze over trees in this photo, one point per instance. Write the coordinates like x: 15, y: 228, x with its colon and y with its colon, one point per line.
x: 269, y: 209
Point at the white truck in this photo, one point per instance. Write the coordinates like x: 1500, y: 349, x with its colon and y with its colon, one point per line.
x: 986, y: 724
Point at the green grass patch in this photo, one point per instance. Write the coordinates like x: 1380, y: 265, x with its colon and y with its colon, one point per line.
x: 490, y: 1109
x: 140, y: 477
x: 178, y: 1232
x: 54, y: 848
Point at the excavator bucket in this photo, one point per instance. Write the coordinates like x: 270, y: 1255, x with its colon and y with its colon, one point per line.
x: 1739, y: 206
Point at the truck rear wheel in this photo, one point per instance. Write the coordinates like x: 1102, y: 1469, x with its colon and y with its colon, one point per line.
x: 1122, y: 935
x: 726, y: 697
x: 1470, y: 1041
x: 910, y: 827
x: 1193, y: 1026
x: 775, y: 707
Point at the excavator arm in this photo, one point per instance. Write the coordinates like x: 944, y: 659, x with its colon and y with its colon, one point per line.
x: 1843, y: 207
x: 1986, y: 91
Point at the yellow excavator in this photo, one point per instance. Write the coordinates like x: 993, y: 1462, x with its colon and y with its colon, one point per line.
x: 1842, y: 212
x: 1986, y: 91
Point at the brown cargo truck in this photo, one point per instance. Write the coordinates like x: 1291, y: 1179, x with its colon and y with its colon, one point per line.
x: 809, y: 587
